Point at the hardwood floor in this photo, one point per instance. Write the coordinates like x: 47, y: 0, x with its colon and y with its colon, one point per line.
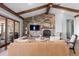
x: 4, y: 53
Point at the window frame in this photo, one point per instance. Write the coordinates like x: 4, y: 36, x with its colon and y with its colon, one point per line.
x: 6, y: 28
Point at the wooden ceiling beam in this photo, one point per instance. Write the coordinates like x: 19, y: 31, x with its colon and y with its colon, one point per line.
x: 48, y: 8
x: 9, y: 10
x: 33, y: 9
x: 65, y: 8
x: 76, y: 15
x: 47, y: 11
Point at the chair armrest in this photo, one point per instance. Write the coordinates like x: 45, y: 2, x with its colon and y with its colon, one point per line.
x: 70, y: 42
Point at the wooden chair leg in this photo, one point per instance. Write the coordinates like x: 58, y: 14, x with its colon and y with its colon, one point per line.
x: 74, y: 51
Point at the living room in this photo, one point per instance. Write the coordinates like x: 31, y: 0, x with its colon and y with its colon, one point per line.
x: 44, y: 29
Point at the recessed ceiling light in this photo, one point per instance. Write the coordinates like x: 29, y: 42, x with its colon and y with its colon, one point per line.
x: 62, y: 11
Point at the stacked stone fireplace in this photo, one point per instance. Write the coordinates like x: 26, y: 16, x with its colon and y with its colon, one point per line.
x: 46, y: 22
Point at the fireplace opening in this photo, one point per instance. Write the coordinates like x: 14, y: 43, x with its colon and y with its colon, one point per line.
x: 46, y: 33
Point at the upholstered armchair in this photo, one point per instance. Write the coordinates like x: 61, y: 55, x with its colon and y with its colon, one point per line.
x: 72, y: 42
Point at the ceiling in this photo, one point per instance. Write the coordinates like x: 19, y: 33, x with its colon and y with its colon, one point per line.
x: 34, y: 13
x: 24, y: 9
x: 18, y: 7
x: 71, y: 5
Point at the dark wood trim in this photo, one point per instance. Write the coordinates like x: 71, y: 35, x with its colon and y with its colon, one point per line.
x: 6, y: 32
x: 33, y: 9
x: 9, y: 10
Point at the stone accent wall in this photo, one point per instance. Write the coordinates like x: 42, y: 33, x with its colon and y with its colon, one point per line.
x: 46, y: 21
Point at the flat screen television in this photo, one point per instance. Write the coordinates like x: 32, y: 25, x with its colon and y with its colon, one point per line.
x: 34, y: 27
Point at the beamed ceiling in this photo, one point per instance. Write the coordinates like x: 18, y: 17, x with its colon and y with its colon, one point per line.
x: 24, y: 10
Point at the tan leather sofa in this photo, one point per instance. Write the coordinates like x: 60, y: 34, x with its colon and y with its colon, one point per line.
x: 36, y: 48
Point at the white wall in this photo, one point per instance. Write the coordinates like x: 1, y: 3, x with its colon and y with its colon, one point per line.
x: 60, y: 20
x: 8, y: 14
x: 67, y: 16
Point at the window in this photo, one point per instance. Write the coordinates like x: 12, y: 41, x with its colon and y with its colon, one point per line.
x: 17, y: 30
x: 2, y: 31
x: 9, y: 30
